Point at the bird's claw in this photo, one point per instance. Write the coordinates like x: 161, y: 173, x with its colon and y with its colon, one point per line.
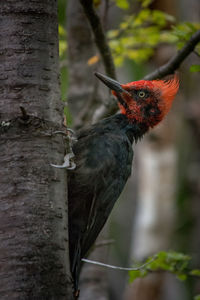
x: 70, y: 133
x: 68, y: 163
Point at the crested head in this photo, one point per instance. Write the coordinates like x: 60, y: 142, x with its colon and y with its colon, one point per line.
x: 148, y: 101
x: 144, y: 102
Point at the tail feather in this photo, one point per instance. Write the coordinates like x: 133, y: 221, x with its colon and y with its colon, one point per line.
x: 75, y: 265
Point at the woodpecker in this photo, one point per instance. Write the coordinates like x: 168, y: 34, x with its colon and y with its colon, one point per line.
x: 103, y: 157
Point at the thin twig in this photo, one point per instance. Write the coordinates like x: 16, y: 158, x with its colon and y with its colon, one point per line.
x: 104, y: 243
x: 116, y: 267
x: 100, y: 38
x: 174, y: 63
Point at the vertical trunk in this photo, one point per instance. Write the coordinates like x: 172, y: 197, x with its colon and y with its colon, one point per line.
x: 33, y: 211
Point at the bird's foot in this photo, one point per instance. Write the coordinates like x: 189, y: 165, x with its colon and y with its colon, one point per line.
x: 68, y: 163
x: 69, y: 133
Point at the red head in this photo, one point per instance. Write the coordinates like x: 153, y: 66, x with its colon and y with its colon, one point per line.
x: 143, y: 101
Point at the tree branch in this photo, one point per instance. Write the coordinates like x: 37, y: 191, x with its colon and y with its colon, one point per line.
x: 116, y: 267
x: 174, y: 63
x: 100, y: 38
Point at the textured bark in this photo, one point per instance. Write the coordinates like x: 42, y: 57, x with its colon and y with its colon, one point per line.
x: 33, y: 211
x: 28, y: 57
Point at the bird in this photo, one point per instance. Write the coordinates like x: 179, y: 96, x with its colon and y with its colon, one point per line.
x: 103, y: 157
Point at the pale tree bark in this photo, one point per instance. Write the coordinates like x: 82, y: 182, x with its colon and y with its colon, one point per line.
x: 84, y: 96
x: 155, y: 216
x: 94, y: 280
x: 33, y: 195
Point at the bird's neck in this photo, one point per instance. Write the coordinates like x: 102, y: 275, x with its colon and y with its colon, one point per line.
x: 133, y: 129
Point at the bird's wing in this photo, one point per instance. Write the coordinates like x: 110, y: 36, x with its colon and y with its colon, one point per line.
x: 94, y: 187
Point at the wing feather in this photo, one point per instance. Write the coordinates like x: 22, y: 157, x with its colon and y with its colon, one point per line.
x: 94, y: 186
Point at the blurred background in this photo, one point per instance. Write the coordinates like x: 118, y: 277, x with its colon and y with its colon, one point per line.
x: 159, y: 208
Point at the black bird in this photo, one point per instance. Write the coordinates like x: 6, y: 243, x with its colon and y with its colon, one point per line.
x: 103, y: 157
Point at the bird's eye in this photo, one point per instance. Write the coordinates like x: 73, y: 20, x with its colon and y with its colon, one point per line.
x: 141, y: 94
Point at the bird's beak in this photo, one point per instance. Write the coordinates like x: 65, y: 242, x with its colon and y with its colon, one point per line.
x: 109, y: 82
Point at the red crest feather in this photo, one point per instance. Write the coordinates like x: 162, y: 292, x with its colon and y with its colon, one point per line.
x: 168, y: 91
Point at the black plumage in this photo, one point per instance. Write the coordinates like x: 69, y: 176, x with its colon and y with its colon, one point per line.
x: 103, y: 157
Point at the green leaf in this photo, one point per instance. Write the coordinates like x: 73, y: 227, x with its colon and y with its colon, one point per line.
x: 171, y: 261
x: 123, y: 4
x: 113, y: 34
x: 145, y: 3
x: 68, y: 116
x: 62, y: 47
x: 195, y: 68
x: 159, y: 17
x: 195, y: 272
x: 61, y: 30
x: 184, y: 31
x: 182, y: 277
x: 197, y: 297
x: 142, y: 17
x: 64, y: 83
x: 136, y: 274
x: 192, y: 26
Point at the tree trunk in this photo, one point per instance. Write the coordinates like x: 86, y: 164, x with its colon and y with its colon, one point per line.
x: 33, y: 211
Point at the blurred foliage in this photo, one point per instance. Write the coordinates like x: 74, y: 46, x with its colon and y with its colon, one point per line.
x: 174, y: 262
x: 123, y: 4
x: 63, y: 61
x: 62, y: 42
x: 183, y: 32
x: 195, y: 68
x: 62, y: 4
x: 63, y: 48
x: 145, y: 3
x: 138, y: 35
